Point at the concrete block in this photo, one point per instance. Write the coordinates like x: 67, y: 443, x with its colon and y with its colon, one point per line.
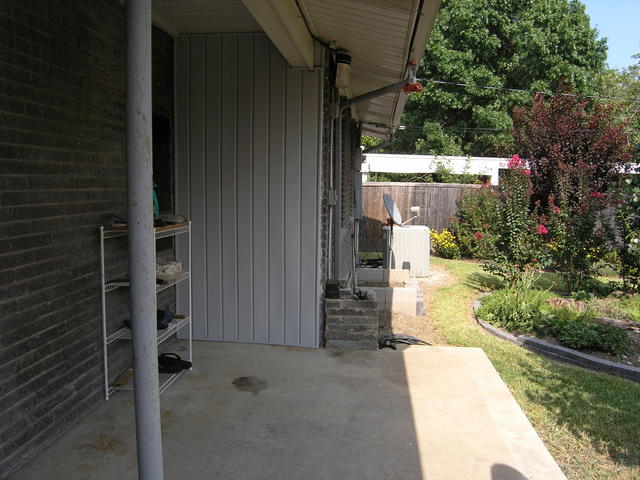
x: 397, y: 276
x: 404, y: 308
x: 401, y: 295
x: 371, y: 275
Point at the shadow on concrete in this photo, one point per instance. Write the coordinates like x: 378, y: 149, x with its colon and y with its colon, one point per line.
x: 500, y: 471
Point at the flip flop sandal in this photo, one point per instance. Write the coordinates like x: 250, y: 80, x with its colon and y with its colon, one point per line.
x: 172, y: 363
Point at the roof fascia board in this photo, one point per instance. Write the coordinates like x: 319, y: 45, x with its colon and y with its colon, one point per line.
x: 285, y: 26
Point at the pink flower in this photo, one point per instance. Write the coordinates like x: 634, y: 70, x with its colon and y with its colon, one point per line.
x: 555, y: 209
x: 542, y: 230
x: 527, y: 172
x: 477, y: 236
x: 514, y: 162
x: 595, y: 194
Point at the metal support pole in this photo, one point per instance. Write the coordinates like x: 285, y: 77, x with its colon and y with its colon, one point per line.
x: 105, y: 369
x: 142, y: 258
x: 337, y: 215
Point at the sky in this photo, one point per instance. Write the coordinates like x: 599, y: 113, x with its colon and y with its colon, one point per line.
x: 619, y: 21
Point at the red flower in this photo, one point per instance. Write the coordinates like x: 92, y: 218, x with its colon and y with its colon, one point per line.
x: 477, y: 236
x: 514, y: 162
x: 595, y: 194
x: 413, y: 88
x: 542, y: 230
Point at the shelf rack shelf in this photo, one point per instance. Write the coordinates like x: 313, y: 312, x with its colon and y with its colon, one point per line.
x: 166, y: 380
x: 124, y: 333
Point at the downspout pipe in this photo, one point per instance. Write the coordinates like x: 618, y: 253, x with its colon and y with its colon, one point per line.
x: 338, y: 113
x: 142, y: 257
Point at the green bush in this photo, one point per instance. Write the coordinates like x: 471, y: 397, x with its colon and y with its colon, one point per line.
x: 520, y: 242
x: 527, y: 311
x: 516, y: 308
x: 577, y: 330
x: 475, y: 224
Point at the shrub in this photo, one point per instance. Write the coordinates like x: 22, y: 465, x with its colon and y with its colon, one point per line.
x: 444, y: 244
x: 520, y: 310
x: 577, y: 330
x: 517, y: 307
x: 571, y: 145
x: 475, y: 224
x: 628, y: 223
x: 575, y: 149
x: 520, y: 237
x: 579, y: 244
x: 507, y: 308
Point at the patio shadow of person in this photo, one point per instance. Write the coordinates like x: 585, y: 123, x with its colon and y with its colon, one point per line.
x: 500, y: 471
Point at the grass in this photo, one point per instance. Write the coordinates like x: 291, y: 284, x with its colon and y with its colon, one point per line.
x: 590, y: 422
x: 626, y: 308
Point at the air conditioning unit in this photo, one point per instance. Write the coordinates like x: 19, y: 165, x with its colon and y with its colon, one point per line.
x: 407, y: 247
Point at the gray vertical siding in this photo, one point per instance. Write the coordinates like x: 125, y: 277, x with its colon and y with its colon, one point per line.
x: 248, y: 176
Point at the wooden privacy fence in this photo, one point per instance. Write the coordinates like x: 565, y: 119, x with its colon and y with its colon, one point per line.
x: 437, y: 202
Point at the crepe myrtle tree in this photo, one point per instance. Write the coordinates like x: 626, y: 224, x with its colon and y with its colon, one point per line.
x: 575, y: 149
x: 520, y: 243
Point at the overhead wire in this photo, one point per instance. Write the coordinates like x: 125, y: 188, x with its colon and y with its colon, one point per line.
x: 521, y: 90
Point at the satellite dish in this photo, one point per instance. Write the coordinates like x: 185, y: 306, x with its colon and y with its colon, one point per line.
x: 392, y: 208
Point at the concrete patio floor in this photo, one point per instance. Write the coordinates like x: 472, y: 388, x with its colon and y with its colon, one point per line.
x: 262, y: 412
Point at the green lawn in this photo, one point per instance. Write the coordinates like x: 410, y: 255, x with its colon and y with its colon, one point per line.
x: 590, y: 422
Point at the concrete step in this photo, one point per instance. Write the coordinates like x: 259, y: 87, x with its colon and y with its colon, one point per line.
x: 368, y: 344
x: 351, y: 320
x: 350, y: 303
x: 365, y: 336
x: 340, y: 330
x: 364, y: 312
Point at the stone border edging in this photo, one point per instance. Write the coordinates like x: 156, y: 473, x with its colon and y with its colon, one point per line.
x: 558, y: 352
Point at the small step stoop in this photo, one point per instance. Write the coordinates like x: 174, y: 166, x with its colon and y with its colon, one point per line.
x: 351, y: 324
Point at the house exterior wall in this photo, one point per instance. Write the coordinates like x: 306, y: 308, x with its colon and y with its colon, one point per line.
x: 248, y: 176
x: 62, y: 173
x: 350, y: 142
x: 351, y: 135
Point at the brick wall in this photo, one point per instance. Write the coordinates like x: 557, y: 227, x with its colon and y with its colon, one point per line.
x: 326, y: 172
x: 62, y: 173
x: 350, y: 142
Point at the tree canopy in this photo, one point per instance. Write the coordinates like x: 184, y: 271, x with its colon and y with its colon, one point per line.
x: 625, y: 83
x: 520, y: 44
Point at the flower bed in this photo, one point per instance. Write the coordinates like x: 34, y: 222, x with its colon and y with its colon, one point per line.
x: 597, y: 361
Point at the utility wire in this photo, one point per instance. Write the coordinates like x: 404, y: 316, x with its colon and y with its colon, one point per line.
x: 519, y: 90
x: 488, y: 129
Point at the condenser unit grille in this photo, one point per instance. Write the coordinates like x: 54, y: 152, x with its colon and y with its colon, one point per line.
x: 407, y: 248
